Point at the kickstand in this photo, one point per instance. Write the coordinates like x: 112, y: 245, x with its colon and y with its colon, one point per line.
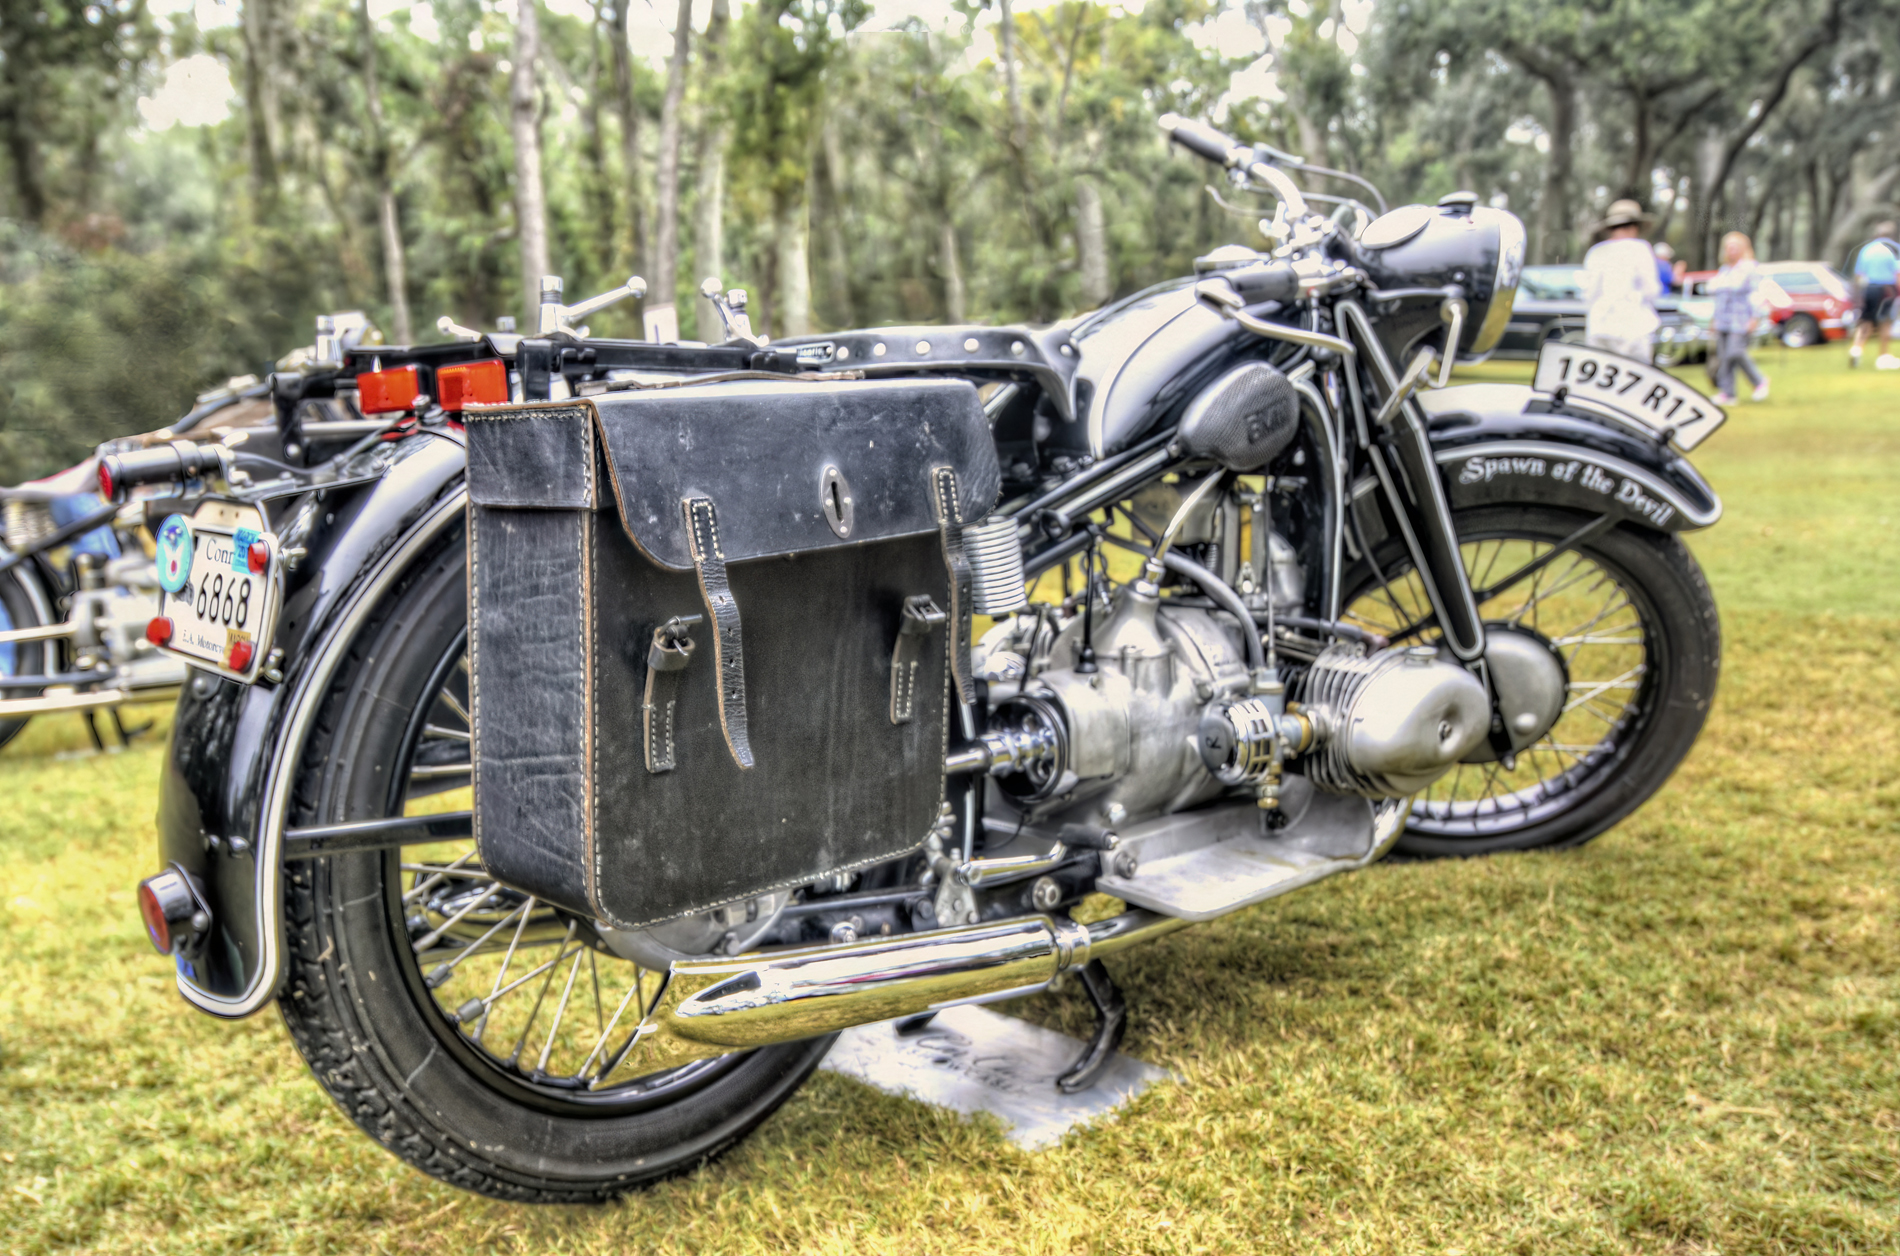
x: 127, y: 734
x: 1111, y: 1019
x: 912, y: 1025
x: 92, y: 726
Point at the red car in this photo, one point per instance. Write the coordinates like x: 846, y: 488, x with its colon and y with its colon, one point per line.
x: 1809, y: 301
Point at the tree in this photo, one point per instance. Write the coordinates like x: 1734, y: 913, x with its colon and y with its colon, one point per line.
x: 666, y: 237
x: 531, y: 206
x: 382, y: 170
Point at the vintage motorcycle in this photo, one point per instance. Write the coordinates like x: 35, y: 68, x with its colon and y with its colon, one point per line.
x: 814, y: 684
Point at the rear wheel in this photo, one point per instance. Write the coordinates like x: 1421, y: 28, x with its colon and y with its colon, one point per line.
x: 477, y: 1033
x: 18, y: 609
x: 1633, y: 620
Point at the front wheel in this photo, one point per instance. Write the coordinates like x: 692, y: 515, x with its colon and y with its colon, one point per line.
x: 1633, y: 620
x: 476, y: 1033
x: 19, y: 609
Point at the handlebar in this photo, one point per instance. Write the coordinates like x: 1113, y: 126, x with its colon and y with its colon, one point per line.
x: 180, y: 460
x: 1204, y: 141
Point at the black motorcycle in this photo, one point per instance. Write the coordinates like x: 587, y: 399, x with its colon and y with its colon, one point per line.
x: 812, y: 684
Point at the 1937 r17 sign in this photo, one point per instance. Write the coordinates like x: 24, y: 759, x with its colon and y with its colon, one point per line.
x: 1634, y: 391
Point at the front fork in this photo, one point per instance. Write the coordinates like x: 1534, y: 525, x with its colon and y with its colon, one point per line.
x: 1401, y: 456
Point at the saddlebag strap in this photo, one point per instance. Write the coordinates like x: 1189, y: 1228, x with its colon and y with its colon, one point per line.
x: 667, y: 658
x: 728, y: 646
x: 921, y: 615
x: 950, y: 526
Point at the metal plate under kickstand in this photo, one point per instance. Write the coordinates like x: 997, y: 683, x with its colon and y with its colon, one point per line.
x: 970, y: 1060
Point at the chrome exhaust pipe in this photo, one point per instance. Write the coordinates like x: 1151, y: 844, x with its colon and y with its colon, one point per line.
x: 712, y: 1007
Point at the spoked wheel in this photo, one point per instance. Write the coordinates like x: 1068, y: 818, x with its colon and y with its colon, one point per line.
x: 1632, y: 620
x: 18, y: 658
x: 480, y: 1034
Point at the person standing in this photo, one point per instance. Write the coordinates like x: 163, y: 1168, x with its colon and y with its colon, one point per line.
x: 1738, y: 309
x: 1666, y: 266
x: 1621, y: 285
x: 1877, y: 269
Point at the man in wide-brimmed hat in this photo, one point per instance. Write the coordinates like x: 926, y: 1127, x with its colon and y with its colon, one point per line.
x: 1621, y: 286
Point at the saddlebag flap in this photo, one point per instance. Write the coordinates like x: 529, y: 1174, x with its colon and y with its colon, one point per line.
x: 713, y: 634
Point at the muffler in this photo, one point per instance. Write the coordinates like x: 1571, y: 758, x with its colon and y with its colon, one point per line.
x: 715, y: 1006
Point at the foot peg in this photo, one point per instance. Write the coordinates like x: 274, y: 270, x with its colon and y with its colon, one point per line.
x: 1111, y: 1021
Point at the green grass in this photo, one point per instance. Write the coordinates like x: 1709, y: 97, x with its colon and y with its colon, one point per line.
x: 1679, y: 1039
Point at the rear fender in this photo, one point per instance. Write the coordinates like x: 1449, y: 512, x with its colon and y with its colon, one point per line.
x: 1504, y: 443
x: 225, y: 790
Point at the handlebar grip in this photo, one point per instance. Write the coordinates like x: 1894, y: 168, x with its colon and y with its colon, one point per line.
x: 1203, y: 140
x: 1277, y: 282
x: 180, y: 460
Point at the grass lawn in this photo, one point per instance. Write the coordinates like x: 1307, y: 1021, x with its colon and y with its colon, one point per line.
x: 1681, y: 1038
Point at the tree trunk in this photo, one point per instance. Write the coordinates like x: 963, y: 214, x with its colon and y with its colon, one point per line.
x: 954, y: 307
x: 395, y: 269
x: 1008, y: 24
x: 1708, y: 186
x: 1817, y: 221
x: 837, y: 255
x: 709, y: 239
x: 531, y: 207
x: 792, y: 295
x: 1553, y: 209
x: 666, y: 251
x: 1678, y: 190
x: 629, y: 111
x: 258, y: 29
x: 1091, y: 237
x: 600, y: 195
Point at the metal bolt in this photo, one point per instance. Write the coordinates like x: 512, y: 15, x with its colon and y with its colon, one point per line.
x: 1116, y: 813
x: 1045, y: 894
x: 1127, y: 863
x: 844, y: 931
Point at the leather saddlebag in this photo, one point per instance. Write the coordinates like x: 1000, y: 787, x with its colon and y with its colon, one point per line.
x: 714, y: 634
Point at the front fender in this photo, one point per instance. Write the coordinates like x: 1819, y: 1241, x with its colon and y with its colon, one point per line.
x: 1504, y: 443
x: 231, y: 764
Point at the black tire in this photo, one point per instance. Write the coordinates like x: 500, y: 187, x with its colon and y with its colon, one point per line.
x: 1800, y: 331
x: 357, y: 1005
x: 1680, y: 661
x: 17, y: 610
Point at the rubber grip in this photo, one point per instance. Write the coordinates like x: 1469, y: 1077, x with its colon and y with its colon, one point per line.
x: 1200, y: 139
x: 177, y: 461
x: 1277, y: 282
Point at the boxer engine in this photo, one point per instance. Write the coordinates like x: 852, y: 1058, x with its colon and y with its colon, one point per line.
x: 1162, y: 713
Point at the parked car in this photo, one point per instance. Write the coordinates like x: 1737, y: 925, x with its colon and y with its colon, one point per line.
x: 1808, y: 302
x: 1549, y: 306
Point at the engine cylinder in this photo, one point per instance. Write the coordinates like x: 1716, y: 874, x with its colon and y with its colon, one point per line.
x: 1391, y: 723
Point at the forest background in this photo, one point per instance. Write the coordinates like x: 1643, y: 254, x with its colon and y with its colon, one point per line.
x: 185, y: 184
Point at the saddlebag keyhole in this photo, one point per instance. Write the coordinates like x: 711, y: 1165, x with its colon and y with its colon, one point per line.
x: 835, y: 495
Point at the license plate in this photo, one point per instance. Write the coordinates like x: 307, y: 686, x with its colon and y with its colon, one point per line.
x: 220, y: 589
x: 1633, y: 391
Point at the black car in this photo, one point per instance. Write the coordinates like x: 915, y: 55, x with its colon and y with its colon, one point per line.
x: 1549, y: 306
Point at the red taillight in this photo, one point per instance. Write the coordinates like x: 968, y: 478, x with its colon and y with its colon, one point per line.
x: 381, y: 392
x: 159, y: 631
x: 258, y: 556
x: 472, y: 384
x: 157, y: 928
x: 240, y: 656
x: 168, y: 905
x: 107, y: 489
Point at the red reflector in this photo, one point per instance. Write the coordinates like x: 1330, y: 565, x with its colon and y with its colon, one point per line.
x: 258, y: 556
x: 157, y: 928
x: 106, y: 486
x: 380, y: 392
x: 472, y: 384
x: 159, y: 631
x: 239, y: 657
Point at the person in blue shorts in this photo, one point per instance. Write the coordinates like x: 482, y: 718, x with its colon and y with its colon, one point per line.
x: 1877, y: 269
